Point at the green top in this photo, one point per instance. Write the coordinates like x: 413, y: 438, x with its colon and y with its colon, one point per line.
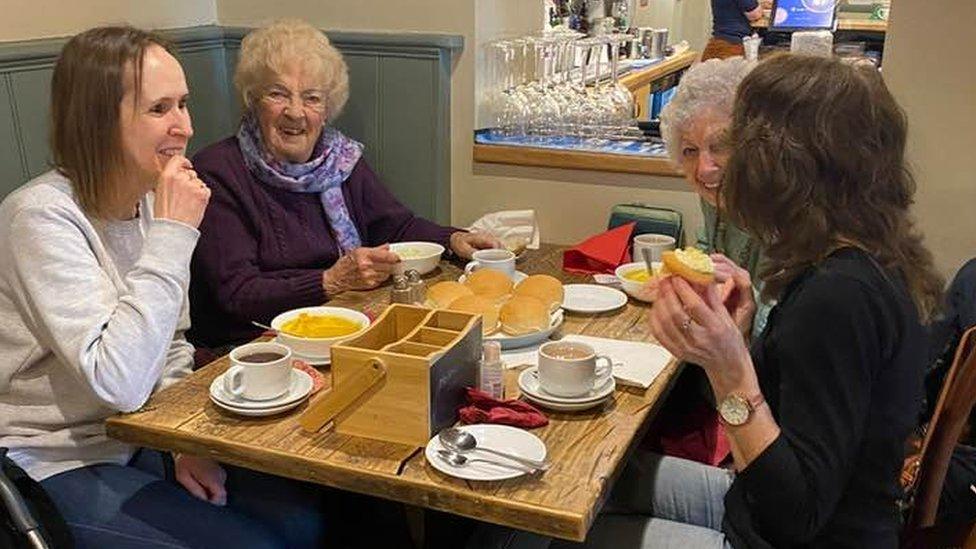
x: 721, y: 236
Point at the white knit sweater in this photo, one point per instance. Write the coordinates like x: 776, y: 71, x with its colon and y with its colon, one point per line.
x: 80, y: 340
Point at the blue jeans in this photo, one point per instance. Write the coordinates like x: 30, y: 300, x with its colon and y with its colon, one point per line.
x: 135, y: 505
x: 659, y: 502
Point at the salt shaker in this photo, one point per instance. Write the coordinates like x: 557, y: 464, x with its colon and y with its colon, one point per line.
x: 401, y: 293
x: 418, y: 290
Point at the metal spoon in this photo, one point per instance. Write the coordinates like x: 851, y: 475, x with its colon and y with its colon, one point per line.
x: 270, y: 329
x: 455, y: 459
x: 462, y: 441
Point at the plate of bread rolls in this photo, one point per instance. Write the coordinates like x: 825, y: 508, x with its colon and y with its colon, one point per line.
x: 516, y: 312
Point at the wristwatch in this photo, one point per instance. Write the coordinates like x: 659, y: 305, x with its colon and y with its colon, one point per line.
x: 736, y: 409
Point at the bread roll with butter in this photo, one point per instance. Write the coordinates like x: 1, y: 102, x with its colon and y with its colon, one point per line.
x: 489, y: 283
x: 691, y: 264
x: 523, y: 315
x: 480, y: 305
x: 442, y: 294
x: 545, y: 288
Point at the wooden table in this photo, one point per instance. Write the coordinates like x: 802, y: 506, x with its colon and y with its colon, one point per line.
x: 587, y: 448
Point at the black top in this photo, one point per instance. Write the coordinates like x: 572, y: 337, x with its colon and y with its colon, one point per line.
x: 729, y: 21
x: 840, y: 364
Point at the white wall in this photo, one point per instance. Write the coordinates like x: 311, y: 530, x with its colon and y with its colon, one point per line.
x: 28, y: 19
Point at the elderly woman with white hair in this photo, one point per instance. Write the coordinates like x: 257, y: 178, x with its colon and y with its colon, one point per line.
x: 297, y: 216
x: 694, y: 126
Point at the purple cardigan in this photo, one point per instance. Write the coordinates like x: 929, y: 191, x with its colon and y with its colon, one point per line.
x: 262, y: 250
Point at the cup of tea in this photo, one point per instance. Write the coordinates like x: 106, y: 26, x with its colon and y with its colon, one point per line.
x: 656, y: 243
x: 496, y: 259
x: 569, y: 368
x: 259, y: 371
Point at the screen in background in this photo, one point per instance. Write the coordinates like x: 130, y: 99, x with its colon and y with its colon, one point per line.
x: 803, y: 14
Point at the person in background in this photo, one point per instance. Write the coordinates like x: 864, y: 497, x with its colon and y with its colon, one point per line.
x: 297, y: 215
x: 94, y: 269
x: 694, y: 126
x: 731, y: 22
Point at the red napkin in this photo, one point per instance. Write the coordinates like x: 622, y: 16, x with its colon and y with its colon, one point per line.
x: 601, y: 253
x: 483, y: 408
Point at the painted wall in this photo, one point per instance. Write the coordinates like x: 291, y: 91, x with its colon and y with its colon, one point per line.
x: 28, y: 19
x: 929, y: 68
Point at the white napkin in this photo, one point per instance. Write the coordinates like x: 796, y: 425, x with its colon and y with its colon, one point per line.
x: 514, y: 228
x: 634, y: 363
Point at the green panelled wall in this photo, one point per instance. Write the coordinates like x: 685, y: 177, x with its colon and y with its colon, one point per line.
x: 399, y: 105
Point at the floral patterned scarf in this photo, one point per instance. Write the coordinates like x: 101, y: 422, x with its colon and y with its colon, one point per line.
x: 333, y: 159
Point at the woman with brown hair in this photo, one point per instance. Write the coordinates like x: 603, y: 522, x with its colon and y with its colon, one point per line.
x: 818, y: 411
x: 94, y: 269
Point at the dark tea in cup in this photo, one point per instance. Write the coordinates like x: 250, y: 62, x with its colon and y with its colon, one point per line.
x: 261, y: 358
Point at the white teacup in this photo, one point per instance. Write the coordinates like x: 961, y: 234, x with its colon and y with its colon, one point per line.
x: 259, y: 371
x: 568, y: 368
x: 496, y: 259
x: 656, y: 243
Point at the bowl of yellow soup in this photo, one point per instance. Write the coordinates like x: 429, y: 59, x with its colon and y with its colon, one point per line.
x: 422, y: 257
x: 311, y: 331
x: 634, y: 277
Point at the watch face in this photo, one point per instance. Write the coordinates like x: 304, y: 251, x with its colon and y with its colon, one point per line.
x: 734, y: 410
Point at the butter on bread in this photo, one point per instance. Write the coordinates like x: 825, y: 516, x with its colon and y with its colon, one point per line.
x: 691, y: 264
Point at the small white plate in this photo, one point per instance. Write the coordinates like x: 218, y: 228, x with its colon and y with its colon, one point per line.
x: 560, y: 407
x: 497, y: 437
x: 261, y: 412
x: 519, y: 276
x: 300, y: 387
x: 528, y: 382
x: 591, y: 298
x: 515, y: 342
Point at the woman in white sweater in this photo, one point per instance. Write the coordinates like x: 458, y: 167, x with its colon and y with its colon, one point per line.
x: 94, y: 270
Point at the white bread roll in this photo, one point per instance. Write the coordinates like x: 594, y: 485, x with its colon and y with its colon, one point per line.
x: 442, y: 294
x: 479, y: 305
x: 489, y: 283
x: 523, y: 315
x: 545, y: 288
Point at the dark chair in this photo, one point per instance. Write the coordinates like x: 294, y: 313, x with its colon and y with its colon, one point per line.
x: 951, y: 413
x: 20, y: 515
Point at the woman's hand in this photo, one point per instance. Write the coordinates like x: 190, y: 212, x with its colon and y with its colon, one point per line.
x: 361, y: 269
x: 463, y: 243
x: 702, y: 331
x: 202, y: 477
x: 180, y: 194
x: 738, y: 296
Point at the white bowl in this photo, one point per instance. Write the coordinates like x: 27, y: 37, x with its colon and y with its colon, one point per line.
x: 633, y: 288
x: 316, y: 347
x: 425, y: 256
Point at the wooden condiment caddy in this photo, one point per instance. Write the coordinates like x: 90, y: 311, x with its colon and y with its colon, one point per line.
x: 403, y: 379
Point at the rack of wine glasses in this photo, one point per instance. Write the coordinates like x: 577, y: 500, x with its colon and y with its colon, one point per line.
x: 561, y: 93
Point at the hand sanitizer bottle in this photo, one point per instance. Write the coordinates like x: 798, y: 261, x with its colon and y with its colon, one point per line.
x: 491, y: 370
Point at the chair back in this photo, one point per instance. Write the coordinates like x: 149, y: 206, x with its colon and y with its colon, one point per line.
x: 951, y: 413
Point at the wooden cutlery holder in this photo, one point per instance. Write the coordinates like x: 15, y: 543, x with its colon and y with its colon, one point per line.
x: 403, y: 379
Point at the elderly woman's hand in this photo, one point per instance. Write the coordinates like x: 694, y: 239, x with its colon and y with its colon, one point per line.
x: 702, y: 331
x: 361, y: 269
x: 463, y: 244
x: 737, y: 292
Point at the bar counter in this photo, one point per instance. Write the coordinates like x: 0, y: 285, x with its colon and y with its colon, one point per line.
x: 639, y: 83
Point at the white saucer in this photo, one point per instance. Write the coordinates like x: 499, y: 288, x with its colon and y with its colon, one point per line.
x: 519, y: 276
x: 300, y: 387
x: 497, y: 437
x: 261, y: 412
x: 528, y: 382
x: 592, y: 298
x: 560, y: 407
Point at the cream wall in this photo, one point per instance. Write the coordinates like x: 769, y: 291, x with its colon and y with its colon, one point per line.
x: 29, y: 19
x: 928, y: 66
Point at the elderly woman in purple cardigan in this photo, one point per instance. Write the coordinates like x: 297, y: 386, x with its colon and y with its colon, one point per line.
x: 296, y: 214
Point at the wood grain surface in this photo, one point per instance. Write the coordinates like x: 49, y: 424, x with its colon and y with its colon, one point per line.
x: 587, y: 448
